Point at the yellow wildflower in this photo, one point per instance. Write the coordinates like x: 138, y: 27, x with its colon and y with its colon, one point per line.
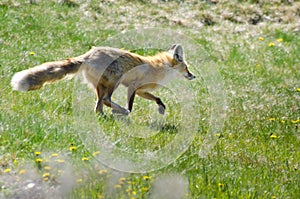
x: 54, y: 154
x: 96, y: 153
x: 122, y: 179
x: 272, y: 136
x: 103, y: 171
x: 128, y: 190
x: 297, y: 89
x: 279, y: 40
x: 46, y: 175
x: 60, y: 160
x: 117, y: 186
x: 221, y: 186
x: 73, y: 148
x: 146, y: 177
x: 134, y: 193
x: 145, y: 189
x: 218, y: 135
x: 261, y: 38
x: 271, y: 44
x: 84, y: 159
x: 37, y: 153
x: 47, y: 168
x: 7, y: 170
x: 38, y: 160
x: 272, y: 119
x: 22, y: 171
x: 131, y: 182
x: 295, y: 121
x: 79, y: 180
x: 31, y: 53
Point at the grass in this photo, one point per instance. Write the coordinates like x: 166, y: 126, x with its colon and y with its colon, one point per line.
x: 257, y: 152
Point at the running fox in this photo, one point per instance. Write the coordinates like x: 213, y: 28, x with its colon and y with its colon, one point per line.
x: 104, y: 68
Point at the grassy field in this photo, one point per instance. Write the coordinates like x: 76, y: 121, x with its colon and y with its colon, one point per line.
x: 254, y: 47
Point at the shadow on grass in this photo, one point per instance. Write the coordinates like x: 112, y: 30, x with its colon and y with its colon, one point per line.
x: 159, y: 126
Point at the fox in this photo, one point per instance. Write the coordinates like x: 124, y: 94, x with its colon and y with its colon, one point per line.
x: 105, y: 68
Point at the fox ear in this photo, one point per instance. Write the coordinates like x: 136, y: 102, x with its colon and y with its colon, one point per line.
x: 178, y: 53
x: 172, y: 47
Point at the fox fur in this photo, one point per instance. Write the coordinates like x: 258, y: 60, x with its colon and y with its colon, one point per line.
x: 104, y: 68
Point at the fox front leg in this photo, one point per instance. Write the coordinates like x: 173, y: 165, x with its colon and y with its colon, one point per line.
x: 149, y: 96
x: 130, y: 98
x: 161, y: 106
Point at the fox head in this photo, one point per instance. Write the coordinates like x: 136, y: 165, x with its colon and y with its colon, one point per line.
x: 179, y: 63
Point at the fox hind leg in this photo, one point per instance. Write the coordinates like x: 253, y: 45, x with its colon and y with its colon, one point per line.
x: 116, y: 108
x: 149, y: 96
x: 100, y: 92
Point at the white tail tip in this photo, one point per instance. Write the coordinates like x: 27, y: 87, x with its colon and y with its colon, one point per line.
x: 19, y: 81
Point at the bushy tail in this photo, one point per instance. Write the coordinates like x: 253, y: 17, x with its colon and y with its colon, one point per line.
x: 34, y: 78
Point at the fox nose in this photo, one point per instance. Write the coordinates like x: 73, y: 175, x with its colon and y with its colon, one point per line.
x: 190, y: 76
x: 193, y: 76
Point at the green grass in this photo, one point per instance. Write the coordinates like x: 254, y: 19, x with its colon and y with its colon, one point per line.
x: 257, y: 154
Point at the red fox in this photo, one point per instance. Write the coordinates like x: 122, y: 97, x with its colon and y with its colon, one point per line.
x: 104, y: 68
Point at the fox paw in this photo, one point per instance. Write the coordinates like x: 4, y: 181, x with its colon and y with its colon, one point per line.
x: 161, y: 109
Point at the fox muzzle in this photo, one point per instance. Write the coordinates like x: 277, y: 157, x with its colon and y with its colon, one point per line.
x: 190, y: 76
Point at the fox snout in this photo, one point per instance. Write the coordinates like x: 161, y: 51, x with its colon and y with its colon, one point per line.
x: 189, y: 75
